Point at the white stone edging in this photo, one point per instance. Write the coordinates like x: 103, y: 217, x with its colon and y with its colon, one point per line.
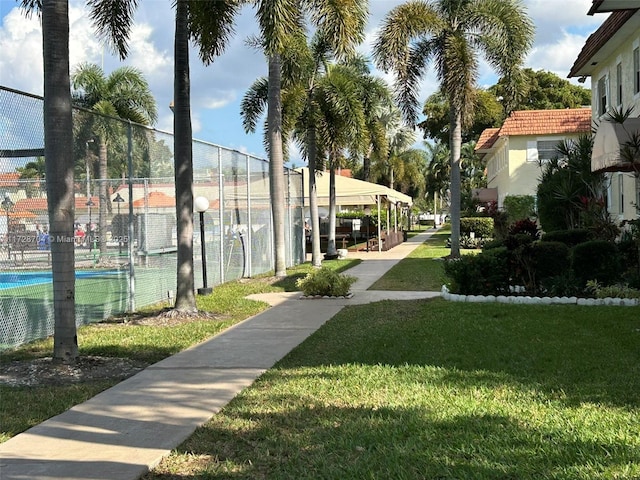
x: 454, y: 297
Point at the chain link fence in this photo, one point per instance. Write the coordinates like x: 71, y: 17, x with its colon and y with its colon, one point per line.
x: 125, y: 212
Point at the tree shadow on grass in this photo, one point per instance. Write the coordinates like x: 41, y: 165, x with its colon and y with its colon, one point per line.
x: 406, y: 443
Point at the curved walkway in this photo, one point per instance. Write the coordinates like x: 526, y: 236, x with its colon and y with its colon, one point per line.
x: 124, y: 431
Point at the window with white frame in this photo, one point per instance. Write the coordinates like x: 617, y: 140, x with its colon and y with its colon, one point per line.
x: 619, y: 84
x: 636, y: 70
x: 602, y: 95
x: 547, y: 149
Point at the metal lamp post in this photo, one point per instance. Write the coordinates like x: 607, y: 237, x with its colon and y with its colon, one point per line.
x: 90, y: 204
x: 119, y: 200
x: 367, y: 216
x: 201, y: 205
x: 7, y: 205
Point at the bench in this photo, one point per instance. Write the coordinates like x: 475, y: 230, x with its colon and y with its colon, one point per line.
x: 339, y: 237
x: 21, y: 243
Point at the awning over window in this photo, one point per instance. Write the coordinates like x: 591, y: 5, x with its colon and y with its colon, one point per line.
x: 611, y: 147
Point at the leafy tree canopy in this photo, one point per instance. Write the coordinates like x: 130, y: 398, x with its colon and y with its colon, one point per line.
x: 543, y: 90
x: 539, y: 90
x: 488, y: 112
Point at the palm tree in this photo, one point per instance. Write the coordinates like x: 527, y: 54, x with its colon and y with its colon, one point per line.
x: 125, y: 94
x: 452, y: 34
x: 58, y: 151
x: 209, y: 25
x: 399, y: 138
x: 280, y: 21
x: 437, y: 173
x: 340, y: 128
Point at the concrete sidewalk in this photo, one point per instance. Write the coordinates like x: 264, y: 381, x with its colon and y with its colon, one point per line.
x: 124, y: 431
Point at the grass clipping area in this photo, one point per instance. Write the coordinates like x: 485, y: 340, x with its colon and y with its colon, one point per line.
x: 431, y: 389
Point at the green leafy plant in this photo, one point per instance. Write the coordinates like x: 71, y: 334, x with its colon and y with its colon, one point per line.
x: 483, y: 274
x: 596, y: 260
x: 613, y: 291
x: 482, y: 227
x: 519, y: 206
x: 326, y: 282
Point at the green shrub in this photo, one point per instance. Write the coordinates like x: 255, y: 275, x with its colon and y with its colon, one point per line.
x: 482, y: 227
x: 484, y: 274
x: 512, y: 242
x: 596, y: 260
x: 568, y: 237
x: 493, y: 243
x: 326, y: 282
x: 531, y: 262
x: 550, y: 259
x: 519, y: 206
x: 564, y: 285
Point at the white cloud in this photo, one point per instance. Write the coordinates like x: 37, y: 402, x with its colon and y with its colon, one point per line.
x: 557, y: 57
x: 21, y: 46
x: 220, y: 101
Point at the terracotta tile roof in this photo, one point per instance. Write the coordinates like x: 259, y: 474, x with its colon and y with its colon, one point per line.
x: 156, y: 199
x: 547, y: 122
x: 537, y: 122
x: 487, y: 138
x: 9, y: 179
x: 599, y: 38
x: 40, y: 204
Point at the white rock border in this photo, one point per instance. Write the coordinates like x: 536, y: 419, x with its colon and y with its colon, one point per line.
x: 621, y: 302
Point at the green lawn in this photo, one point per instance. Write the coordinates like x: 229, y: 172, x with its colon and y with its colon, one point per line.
x: 435, y: 390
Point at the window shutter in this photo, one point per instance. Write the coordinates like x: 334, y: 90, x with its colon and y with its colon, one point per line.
x: 532, y: 151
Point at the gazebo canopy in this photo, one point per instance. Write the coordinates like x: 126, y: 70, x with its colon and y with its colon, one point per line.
x: 350, y: 191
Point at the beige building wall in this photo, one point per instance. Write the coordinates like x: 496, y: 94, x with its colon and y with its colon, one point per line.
x: 514, y: 168
x: 623, y: 195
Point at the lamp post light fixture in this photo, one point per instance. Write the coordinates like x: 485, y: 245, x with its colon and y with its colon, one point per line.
x: 90, y: 204
x: 367, y: 216
x: 201, y: 205
x: 119, y: 200
x: 7, y: 205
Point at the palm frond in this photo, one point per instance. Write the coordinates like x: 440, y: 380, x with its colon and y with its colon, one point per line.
x: 278, y: 20
x: 342, y: 23
x: 254, y: 104
x: 211, y: 25
x: 113, y: 20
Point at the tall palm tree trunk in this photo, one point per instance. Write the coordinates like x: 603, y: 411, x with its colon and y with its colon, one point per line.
x: 58, y: 144
x: 331, y: 244
x: 312, y: 150
x: 276, y: 162
x: 366, y: 167
x: 455, y: 140
x: 103, y: 196
x: 185, y: 297
x: 435, y: 209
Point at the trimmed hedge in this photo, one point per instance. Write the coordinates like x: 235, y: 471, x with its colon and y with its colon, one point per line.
x: 568, y: 237
x: 482, y: 227
x: 596, y: 260
x: 483, y: 274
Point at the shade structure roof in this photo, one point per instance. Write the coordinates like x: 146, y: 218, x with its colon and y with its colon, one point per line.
x: 612, y: 151
x: 350, y: 191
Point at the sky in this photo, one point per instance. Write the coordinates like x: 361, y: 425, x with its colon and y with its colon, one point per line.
x: 217, y: 89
